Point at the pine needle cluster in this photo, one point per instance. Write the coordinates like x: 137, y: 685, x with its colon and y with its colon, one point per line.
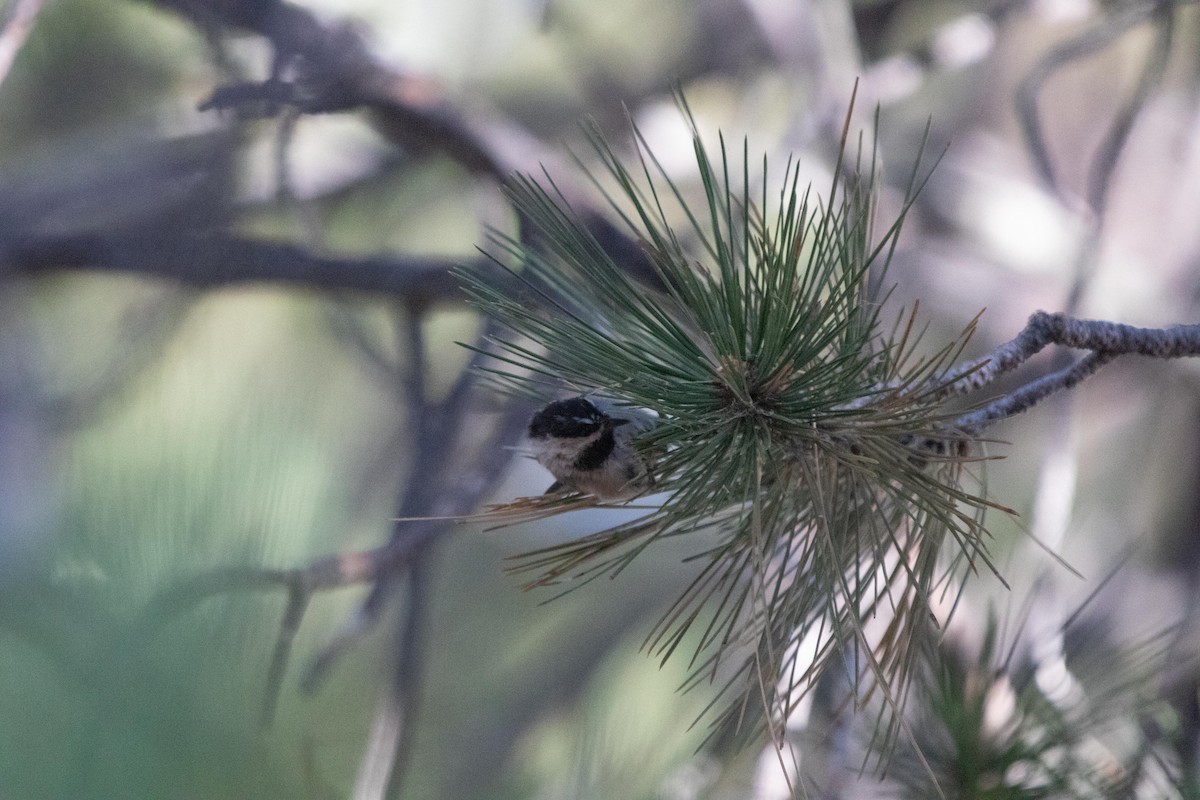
x: 806, y: 439
x: 1030, y: 721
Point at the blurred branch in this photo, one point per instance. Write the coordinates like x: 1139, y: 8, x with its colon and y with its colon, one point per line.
x: 333, y: 70
x: 435, y: 482
x: 414, y: 502
x: 160, y: 209
x: 175, y: 196
x: 215, y: 259
x: 1095, y: 39
x: 389, y: 743
x: 1105, y: 160
x: 299, y: 584
x: 16, y: 31
x: 964, y: 40
x: 391, y: 731
x: 328, y: 572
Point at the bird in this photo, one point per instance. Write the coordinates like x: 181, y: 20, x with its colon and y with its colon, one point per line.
x: 586, y: 442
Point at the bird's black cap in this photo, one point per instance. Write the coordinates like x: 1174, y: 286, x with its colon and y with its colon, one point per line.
x: 567, y: 419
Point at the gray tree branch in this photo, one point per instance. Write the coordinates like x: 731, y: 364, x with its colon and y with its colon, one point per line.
x: 1106, y: 340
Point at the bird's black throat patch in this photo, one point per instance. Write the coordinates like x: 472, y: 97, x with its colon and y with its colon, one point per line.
x: 595, y: 454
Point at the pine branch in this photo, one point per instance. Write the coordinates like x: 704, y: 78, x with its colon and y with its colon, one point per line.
x: 815, y: 451
x: 1030, y: 394
x: 822, y: 503
x: 1106, y: 340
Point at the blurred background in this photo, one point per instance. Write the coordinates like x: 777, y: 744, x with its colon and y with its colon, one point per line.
x: 229, y: 342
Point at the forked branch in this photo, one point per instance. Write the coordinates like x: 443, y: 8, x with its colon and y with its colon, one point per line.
x: 1105, y: 340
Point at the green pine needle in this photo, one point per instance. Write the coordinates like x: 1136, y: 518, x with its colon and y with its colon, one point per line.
x: 805, y: 438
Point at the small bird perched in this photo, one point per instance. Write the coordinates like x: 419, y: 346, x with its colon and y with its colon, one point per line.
x: 586, y: 443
